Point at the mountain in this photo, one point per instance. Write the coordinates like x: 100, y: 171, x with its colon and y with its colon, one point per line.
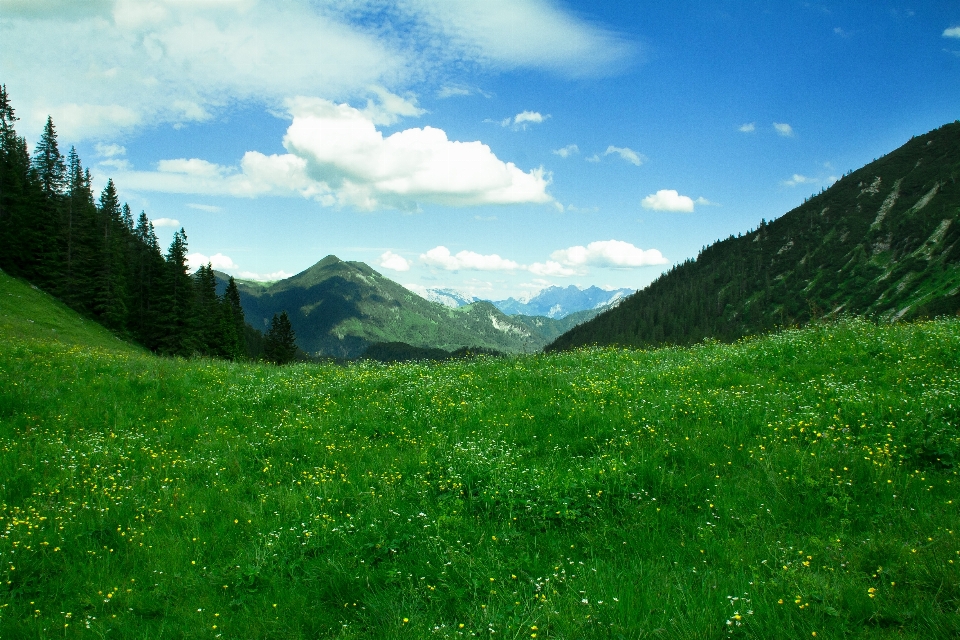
x: 559, y: 302
x: 340, y: 308
x: 883, y: 242
x: 449, y: 297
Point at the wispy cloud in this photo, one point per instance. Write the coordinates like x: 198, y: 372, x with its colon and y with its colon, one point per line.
x: 567, y: 151
x: 952, y: 32
x: 783, y: 129
x: 627, y: 154
x: 798, y: 179
x: 109, y: 150
x: 748, y: 127
x: 523, y: 119
x: 209, y: 208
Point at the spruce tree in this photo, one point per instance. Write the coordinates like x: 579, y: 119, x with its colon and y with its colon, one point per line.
x: 280, y: 343
x: 110, y: 296
x: 234, y: 329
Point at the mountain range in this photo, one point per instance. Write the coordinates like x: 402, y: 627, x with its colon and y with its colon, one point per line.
x: 882, y: 242
x: 340, y: 309
x: 551, y: 302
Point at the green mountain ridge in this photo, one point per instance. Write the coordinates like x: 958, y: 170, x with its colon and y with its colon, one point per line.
x: 339, y: 308
x: 882, y: 242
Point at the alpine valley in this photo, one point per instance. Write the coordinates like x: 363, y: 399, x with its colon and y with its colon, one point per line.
x: 339, y: 309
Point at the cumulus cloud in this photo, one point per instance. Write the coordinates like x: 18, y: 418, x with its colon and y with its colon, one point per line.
x: 217, y: 261
x: 668, y: 200
x: 166, y: 222
x: 390, y: 107
x: 394, y: 262
x: 748, y: 127
x: 608, y: 253
x: 466, y: 260
x: 952, y: 32
x: 799, y: 179
x: 627, y: 154
x: 337, y: 156
x: 567, y: 151
x: 783, y: 129
x: 102, y: 65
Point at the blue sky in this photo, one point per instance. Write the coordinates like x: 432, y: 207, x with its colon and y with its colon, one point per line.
x: 496, y: 147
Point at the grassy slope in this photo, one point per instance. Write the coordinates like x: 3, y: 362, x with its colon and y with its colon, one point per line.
x: 805, y: 482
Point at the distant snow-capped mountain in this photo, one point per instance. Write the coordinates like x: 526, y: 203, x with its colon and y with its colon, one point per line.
x: 559, y: 302
x: 552, y: 302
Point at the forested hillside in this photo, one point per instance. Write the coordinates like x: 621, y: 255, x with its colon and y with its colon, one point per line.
x: 881, y: 242
x: 94, y: 256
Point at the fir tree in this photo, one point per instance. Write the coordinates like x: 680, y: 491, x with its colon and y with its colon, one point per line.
x: 280, y: 343
x: 234, y: 322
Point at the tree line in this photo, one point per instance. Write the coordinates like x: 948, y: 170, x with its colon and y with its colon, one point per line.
x: 94, y: 255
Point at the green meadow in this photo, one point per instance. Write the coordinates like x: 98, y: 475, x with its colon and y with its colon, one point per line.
x: 801, y: 484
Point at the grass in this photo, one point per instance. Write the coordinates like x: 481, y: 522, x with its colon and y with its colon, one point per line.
x: 802, y: 484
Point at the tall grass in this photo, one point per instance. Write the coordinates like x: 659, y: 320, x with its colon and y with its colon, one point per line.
x: 798, y: 485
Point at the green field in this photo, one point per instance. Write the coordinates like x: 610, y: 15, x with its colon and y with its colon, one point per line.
x: 798, y: 485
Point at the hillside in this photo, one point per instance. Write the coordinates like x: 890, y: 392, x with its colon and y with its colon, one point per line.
x: 796, y: 484
x: 29, y: 314
x: 339, y: 308
x: 884, y: 242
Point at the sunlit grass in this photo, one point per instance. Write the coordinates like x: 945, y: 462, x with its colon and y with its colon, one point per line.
x: 798, y: 484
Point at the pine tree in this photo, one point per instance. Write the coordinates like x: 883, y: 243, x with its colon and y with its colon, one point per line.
x: 110, y: 297
x: 178, y: 318
x: 280, y: 343
x: 234, y: 322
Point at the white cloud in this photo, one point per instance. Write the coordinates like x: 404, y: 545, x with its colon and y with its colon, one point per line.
x: 102, y: 65
x: 706, y: 203
x: 551, y: 268
x: 117, y: 164
x: 453, y: 92
x: 567, y: 151
x: 343, y: 149
x: 627, y: 154
x: 668, y: 200
x: 749, y: 127
x: 466, y: 260
x: 217, y: 261
x: 110, y: 150
x: 522, y: 119
x: 608, y: 253
x: 799, y: 179
x: 391, y: 107
x: 594, y: 158
x: 394, y: 262
x: 165, y: 222
x: 209, y: 208
x: 264, y: 277
x: 337, y: 156
x: 952, y: 32
x: 783, y: 129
